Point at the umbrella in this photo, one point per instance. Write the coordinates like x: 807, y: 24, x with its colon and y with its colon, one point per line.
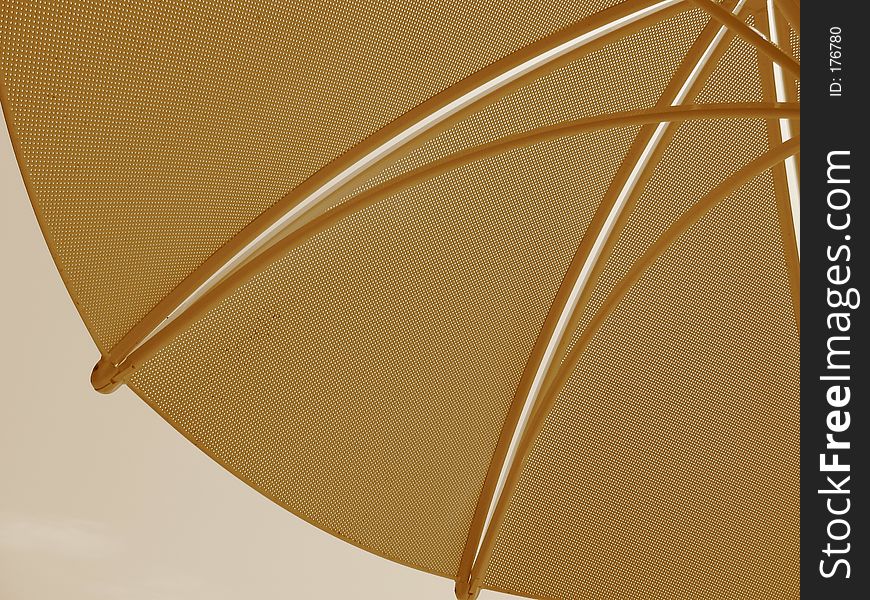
x: 507, y: 292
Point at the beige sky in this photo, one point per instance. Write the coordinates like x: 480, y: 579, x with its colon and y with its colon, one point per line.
x: 100, y: 499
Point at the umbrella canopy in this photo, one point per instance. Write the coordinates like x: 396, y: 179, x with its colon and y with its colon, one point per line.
x: 503, y: 291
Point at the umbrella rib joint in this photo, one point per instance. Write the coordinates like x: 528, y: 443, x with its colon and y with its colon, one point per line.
x: 170, y: 327
x: 705, y: 55
x: 751, y: 36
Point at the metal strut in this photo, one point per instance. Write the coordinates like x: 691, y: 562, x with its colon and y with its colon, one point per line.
x: 107, y: 376
x: 538, y: 417
x: 780, y: 184
x: 308, y: 200
x: 549, y: 347
x: 751, y: 36
x: 385, y: 147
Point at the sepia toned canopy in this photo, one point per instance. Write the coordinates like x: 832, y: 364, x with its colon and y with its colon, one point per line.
x: 504, y: 291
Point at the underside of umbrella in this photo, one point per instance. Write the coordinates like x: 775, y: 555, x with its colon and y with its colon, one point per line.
x: 504, y: 291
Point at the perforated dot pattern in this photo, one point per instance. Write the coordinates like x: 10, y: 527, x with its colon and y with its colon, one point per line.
x: 362, y: 381
x: 669, y: 466
x: 701, y: 154
x: 795, y: 42
x: 735, y: 78
x: 612, y: 79
x: 151, y: 132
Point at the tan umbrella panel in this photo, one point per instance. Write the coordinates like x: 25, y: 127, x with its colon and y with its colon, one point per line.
x: 463, y: 284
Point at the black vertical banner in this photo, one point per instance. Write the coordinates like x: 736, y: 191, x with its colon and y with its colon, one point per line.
x: 834, y: 367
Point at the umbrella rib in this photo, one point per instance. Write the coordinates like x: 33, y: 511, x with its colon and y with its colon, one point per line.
x: 390, y: 144
x: 644, y: 177
x: 548, y: 399
x: 622, y: 220
x: 780, y: 36
x: 782, y: 192
x: 751, y: 36
x: 107, y: 377
x: 550, y: 343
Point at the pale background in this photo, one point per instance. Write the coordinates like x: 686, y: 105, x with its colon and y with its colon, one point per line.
x: 101, y: 499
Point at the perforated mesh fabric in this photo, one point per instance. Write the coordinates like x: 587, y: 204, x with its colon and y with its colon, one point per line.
x: 729, y: 144
x: 362, y: 381
x: 405, y: 526
x: 646, y: 503
x: 669, y: 466
x: 152, y: 132
x: 736, y: 77
x: 700, y: 156
x: 795, y: 43
x: 612, y: 79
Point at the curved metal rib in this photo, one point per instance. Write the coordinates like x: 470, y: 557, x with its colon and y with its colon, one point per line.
x: 787, y: 225
x: 630, y: 202
x: 688, y: 78
x: 389, y: 144
x: 751, y: 36
x: 780, y: 26
x: 538, y: 418
x: 107, y: 377
x: 791, y: 10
